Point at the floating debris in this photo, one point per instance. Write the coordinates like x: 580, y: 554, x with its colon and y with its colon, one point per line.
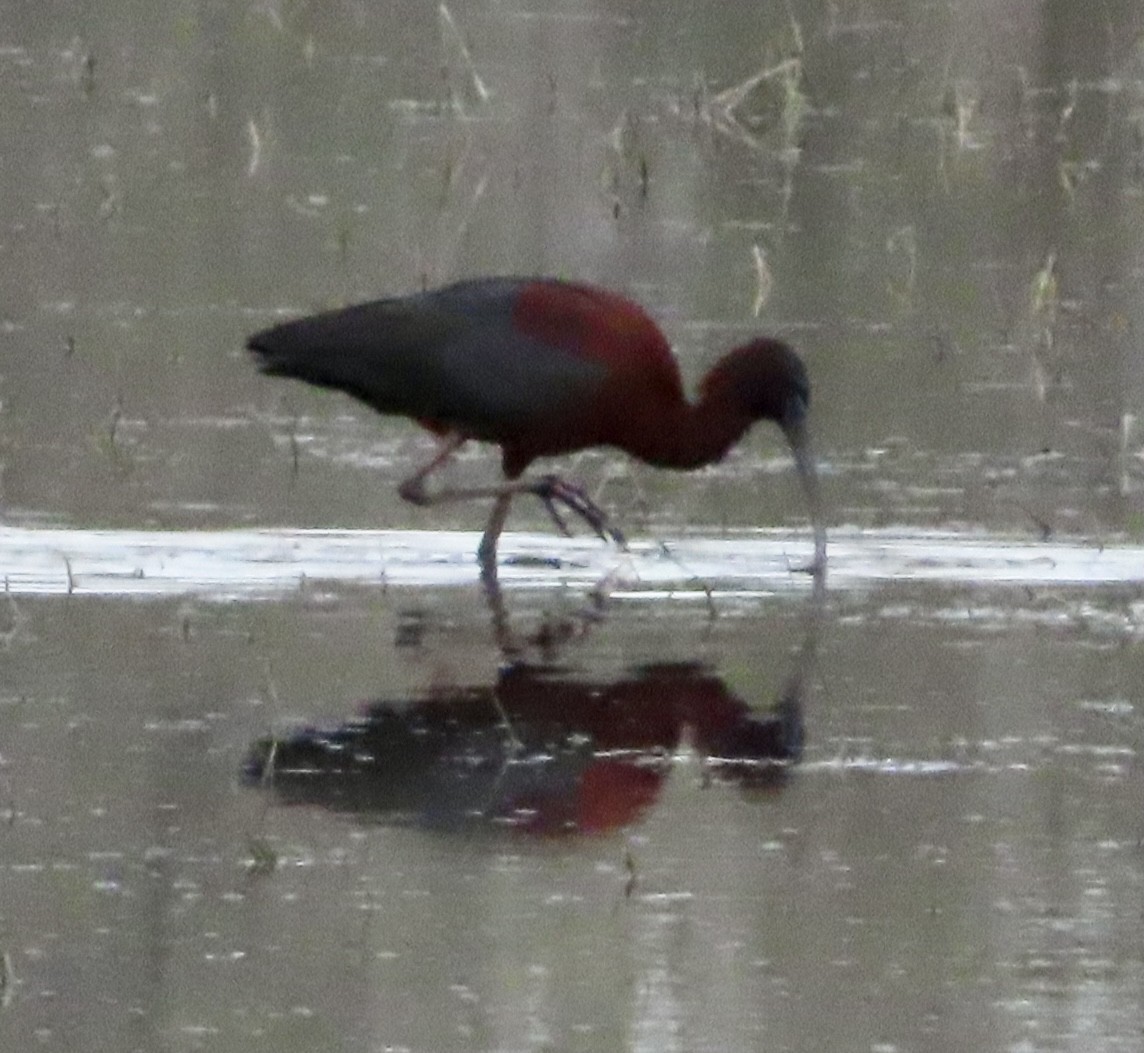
x: 452, y: 39
x: 255, y: 137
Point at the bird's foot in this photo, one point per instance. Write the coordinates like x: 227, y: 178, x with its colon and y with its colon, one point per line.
x: 552, y: 489
x: 413, y: 490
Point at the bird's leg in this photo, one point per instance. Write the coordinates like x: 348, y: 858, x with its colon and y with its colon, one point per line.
x: 413, y: 489
x: 487, y: 550
x: 551, y: 490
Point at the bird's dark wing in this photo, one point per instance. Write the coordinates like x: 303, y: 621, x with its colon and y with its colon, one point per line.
x: 452, y: 357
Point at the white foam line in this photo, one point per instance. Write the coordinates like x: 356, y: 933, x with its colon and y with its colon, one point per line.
x: 250, y: 563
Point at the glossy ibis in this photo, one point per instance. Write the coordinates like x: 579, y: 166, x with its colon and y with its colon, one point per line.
x: 543, y: 367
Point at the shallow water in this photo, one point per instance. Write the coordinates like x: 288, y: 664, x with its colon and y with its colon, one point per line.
x: 276, y: 773
x: 601, y: 844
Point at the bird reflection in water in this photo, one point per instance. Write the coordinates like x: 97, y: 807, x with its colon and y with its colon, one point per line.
x: 540, y: 751
x: 541, y: 368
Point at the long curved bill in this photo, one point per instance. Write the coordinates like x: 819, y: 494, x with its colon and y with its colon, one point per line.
x: 799, y: 438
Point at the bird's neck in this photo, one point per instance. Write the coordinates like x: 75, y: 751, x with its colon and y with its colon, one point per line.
x: 696, y: 433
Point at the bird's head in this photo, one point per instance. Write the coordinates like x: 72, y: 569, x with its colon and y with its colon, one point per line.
x: 766, y: 380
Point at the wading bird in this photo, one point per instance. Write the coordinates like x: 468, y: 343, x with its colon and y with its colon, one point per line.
x: 543, y: 367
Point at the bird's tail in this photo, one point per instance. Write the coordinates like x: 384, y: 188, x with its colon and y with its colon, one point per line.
x: 272, y: 355
x: 311, y: 349
x: 352, y: 350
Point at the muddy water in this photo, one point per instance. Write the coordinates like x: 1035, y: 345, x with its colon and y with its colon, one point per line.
x: 276, y: 773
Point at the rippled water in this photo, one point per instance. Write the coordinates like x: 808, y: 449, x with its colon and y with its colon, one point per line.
x: 336, y: 816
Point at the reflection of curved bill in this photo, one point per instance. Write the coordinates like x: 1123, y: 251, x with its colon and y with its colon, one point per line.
x: 540, y: 750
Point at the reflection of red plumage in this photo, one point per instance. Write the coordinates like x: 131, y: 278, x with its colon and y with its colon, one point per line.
x: 542, y: 367
x: 642, y: 712
x: 574, y: 756
x: 614, y: 794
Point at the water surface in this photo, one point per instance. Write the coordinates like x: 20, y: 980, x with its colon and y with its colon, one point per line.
x: 276, y: 773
